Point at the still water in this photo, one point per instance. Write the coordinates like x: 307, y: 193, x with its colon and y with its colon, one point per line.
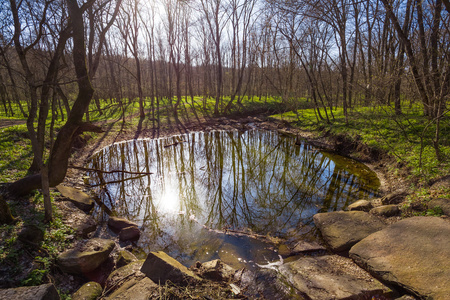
x: 205, y: 183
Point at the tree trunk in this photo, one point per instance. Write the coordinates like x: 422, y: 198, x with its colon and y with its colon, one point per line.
x: 5, y: 214
x: 59, y: 158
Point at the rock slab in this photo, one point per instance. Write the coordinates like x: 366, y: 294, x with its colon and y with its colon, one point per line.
x: 136, y: 289
x: 89, y: 291
x: 413, y: 253
x: 215, y: 270
x: 363, y: 205
x: 40, y: 292
x: 118, y: 276
x: 117, y: 223
x: 86, y: 256
x: 331, y: 277
x: 342, y: 229
x: 161, y: 268
x: 77, y: 197
x: 385, y: 210
x: 443, y: 203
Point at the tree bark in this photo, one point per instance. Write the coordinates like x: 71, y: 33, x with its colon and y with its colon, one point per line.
x: 59, y: 158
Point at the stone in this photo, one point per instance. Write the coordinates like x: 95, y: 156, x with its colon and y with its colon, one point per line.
x: 81, y: 200
x: 121, y: 273
x: 40, y: 292
x: 88, y: 291
x: 304, y: 246
x: 341, y: 230
x: 385, y: 210
x: 331, y: 277
x: 124, y: 257
x: 394, y: 197
x: 442, y: 183
x: 136, y: 289
x: 412, y: 253
x: 31, y: 235
x: 118, y: 224
x: 362, y: 205
x: 161, y: 268
x: 444, y: 204
x: 86, y: 256
x: 130, y: 233
x: 214, y: 270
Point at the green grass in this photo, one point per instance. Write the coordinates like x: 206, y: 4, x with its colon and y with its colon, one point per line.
x: 407, y: 137
x: 15, y: 153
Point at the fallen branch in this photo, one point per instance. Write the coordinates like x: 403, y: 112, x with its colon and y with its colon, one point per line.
x: 116, y: 181
x: 174, y: 144
x: 109, y: 172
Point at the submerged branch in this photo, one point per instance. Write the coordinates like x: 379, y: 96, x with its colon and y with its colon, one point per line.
x: 109, y: 172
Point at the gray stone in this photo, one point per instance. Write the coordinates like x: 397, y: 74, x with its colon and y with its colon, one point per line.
x: 215, y: 270
x: 130, y: 233
x: 136, y: 289
x: 89, y: 291
x: 124, y: 257
x: 362, y: 205
x: 385, y: 210
x: 444, y: 204
x: 81, y: 200
x: 394, y: 197
x: 40, y: 292
x: 331, y: 277
x: 442, y: 183
x: 31, y: 234
x: 303, y: 246
x: 413, y: 254
x: 341, y: 230
x: 86, y: 256
x: 118, y: 224
x: 121, y: 273
x: 161, y: 268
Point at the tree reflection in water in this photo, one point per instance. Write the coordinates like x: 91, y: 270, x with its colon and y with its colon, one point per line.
x: 254, y: 180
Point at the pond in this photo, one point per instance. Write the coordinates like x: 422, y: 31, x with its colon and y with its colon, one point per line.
x: 186, y: 191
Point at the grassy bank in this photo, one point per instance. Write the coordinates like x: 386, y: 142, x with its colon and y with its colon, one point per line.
x: 408, y: 137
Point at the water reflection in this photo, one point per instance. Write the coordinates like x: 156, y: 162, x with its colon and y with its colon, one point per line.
x: 201, y: 182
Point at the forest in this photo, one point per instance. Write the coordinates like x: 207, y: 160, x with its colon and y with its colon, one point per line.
x: 370, y: 78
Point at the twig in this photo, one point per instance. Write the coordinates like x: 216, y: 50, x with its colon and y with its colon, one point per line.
x: 110, y: 172
x: 116, y: 181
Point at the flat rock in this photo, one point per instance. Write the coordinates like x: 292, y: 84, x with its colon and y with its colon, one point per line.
x: 86, y: 256
x: 136, y: 289
x: 394, y: 197
x: 81, y: 200
x: 341, y: 230
x: 442, y: 183
x: 88, y: 291
x: 385, y: 210
x: 303, y: 246
x: 118, y: 224
x: 161, y: 268
x: 121, y: 273
x: 331, y: 277
x: 40, y: 292
x: 214, y: 270
x: 124, y: 257
x: 130, y: 233
x: 444, y: 204
x: 362, y: 205
x: 413, y: 253
x: 31, y: 234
